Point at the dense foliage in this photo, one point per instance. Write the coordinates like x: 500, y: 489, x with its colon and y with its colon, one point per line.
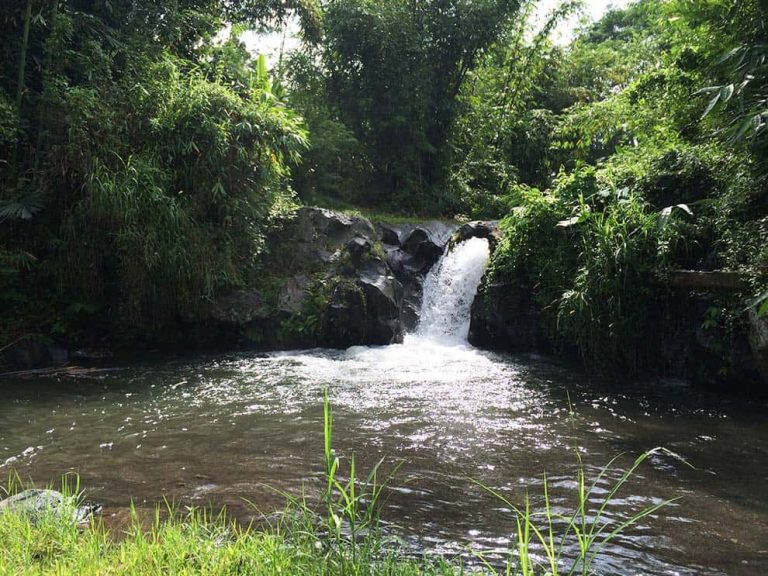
x: 383, y: 89
x: 636, y: 175
x: 144, y: 159
x: 144, y: 162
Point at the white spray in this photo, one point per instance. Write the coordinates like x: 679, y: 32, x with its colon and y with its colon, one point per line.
x: 449, y: 290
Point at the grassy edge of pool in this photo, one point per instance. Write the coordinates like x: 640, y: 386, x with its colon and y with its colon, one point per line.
x: 342, y: 535
x: 195, y: 543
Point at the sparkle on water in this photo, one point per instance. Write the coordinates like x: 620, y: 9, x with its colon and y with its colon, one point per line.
x: 223, y: 429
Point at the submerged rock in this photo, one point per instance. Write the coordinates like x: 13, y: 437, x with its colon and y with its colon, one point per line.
x: 37, y: 504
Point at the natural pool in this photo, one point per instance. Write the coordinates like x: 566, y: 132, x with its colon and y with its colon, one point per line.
x: 242, y: 430
x: 220, y: 430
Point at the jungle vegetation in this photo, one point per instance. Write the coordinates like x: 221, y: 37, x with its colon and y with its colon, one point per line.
x: 145, y: 155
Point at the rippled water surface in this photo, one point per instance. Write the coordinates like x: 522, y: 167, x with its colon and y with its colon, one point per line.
x: 220, y: 430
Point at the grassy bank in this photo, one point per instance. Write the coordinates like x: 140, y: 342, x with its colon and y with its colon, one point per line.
x: 192, y: 544
x: 341, y: 534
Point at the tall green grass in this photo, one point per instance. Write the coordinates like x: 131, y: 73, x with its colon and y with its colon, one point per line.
x: 342, y: 536
x: 586, y: 529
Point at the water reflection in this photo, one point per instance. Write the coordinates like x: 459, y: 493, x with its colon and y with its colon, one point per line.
x: 224, y: 429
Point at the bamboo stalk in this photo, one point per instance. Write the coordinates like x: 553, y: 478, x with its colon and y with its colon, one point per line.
x: 20, y: 83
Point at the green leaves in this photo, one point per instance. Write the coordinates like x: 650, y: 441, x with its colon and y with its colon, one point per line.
x: 393, y: 73
x: 761, y: 302
x: 23, y: 207
x: 721, y: 94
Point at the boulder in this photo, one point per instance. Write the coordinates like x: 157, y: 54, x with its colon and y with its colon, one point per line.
x: 412, y: 250
x: 364, y: 308
x: 36, y: 505
x: 488, y: 229
x: 317, y: 236
x: 344, y: 322
x: 383, y: 299
x: 396, y: 234
x: 758, y: 342
x: 389, y: 235
x: 504, y: 316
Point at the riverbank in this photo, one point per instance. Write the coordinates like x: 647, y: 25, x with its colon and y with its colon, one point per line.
x: 223, y: 431
x: 51, y: 532
x: 193, y: 544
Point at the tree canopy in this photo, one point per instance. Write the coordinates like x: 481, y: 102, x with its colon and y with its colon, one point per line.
x: 143, y: 157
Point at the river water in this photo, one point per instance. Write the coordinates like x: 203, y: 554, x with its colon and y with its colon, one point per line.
x: 236, y: 429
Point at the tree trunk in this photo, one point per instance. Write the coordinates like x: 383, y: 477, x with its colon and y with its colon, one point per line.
x: 20, y: 84
x: 42, y: 130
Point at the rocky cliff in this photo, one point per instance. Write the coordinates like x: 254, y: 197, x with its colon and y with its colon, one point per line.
x: 334, y: 280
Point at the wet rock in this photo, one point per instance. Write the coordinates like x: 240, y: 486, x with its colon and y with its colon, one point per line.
x: 345, y: 317
x: 37, y: 504
x: 412, y: 250
x: 317, y: 235
x: 504, y: 316
x: 332, y: 280
x: 358, y: 248
x: 383, y: 300
x: 389, y: 235
x: 364, y: 308
x: 32, y: 352
x: 397, y: 234
x: 758, y: 342
x: 479, y: 229
x: 422, y: 251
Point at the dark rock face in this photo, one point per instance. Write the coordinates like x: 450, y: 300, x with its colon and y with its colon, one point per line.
x: 334, y: 280
x: 479, y: 229
x: 364, y: 308
x: 411, y: 251
x: 345, y: 318
x: 317, y: 235
x: 758, y: 342
x: 505, y: 317
x: 239, y: 307
x: 383, y: 295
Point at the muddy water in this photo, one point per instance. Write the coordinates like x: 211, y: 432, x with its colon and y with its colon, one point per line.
x: 223, y: 430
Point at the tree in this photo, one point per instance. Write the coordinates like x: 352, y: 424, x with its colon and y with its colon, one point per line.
x: 149, y: 161
x: 394, y: 70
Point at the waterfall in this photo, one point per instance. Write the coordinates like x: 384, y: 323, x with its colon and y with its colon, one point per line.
x: 450, y: 289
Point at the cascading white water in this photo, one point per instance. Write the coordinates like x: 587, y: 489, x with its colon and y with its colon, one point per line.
x: 450, y: 289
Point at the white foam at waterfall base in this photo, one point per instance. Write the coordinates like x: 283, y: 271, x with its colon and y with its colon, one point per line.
x: 449, y: 291
x: 436, y: 354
